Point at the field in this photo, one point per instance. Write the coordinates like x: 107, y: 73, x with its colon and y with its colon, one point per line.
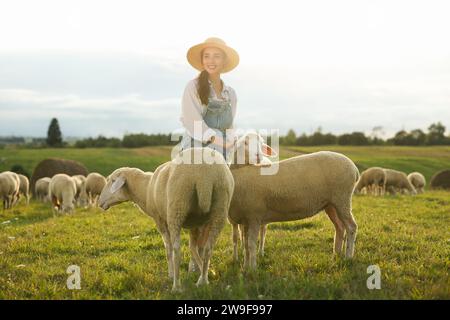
x: 121, y: 254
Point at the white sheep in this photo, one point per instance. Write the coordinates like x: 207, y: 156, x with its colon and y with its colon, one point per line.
x: 41, y: 189
x: 373, y: 179
x: 94, y: 185
x: 397, y: 180
x: 81, y: 197
x: 62, y: 190
x: 9, y: 188
x: 24, y: 187
x: 303, y: 186
x: 417, y: 180
x: 180, y: 195
x: 250, y: 148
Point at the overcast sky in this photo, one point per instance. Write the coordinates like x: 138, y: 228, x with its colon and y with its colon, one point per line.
x: 111, y: 67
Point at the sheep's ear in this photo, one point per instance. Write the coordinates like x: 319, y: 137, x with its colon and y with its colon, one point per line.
x: 268, y: 151
x: 120, y: 181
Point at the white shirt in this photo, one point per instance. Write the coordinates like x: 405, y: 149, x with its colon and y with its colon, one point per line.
x: 192, y: 110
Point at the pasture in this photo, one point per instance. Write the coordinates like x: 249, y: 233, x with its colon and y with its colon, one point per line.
x: 121, y: 255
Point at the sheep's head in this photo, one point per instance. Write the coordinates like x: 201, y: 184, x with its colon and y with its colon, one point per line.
x: 251, y: 149
x: 115, y: 191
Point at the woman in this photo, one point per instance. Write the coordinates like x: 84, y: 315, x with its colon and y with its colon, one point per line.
x: 208, y: 104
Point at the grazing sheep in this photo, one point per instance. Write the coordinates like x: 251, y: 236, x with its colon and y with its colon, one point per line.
x: 93, y: 187
x: 81, y: 198
x: 24, y: 187
x: 441, y: 180
x: 373, y: 179
x: 418, y: 181
x: 397, y: 180
x: 51, y: 166
x: 62, y: 190
x: 180, y: 195
x: 303, y: 186
x: 41, y: 189
x: 9, y: 188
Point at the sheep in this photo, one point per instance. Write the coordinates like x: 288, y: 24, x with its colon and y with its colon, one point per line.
x: 303, y: 186
x: 251, y: 149
x: 9, y: 188
x: 81, y: 198
x: 180, y: 195
x: 62, y: 190
x: 373, y: 179
x: 41, y: 189
x: 417, y: 180
x: 398, y: 180
x: 24, y: 187
x: 94, y: 185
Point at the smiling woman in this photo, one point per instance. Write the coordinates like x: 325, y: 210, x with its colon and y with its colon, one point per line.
x: 208, y: 105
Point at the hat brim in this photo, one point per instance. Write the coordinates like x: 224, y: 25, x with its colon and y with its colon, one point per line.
x: 195, y: 59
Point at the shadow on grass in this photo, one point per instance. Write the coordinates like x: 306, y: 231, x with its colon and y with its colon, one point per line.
x: 292, y: 226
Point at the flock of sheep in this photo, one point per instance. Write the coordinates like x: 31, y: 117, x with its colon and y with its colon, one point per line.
x: 378, y: 181
x: 62, y: 190
x: 203, y: 197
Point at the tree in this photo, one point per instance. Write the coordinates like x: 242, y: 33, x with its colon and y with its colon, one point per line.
x: 436, y: 134
x: 54, y: 136
x: 290, y: 138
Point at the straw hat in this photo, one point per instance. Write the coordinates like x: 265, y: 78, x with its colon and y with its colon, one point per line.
x: 195, y: 59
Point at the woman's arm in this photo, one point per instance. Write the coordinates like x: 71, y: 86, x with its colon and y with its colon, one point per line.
x: 191, y: 116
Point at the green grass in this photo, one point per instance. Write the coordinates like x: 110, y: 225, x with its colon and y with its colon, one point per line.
x: 121, y: 254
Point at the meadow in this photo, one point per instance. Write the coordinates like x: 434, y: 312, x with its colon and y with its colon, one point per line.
x: 121, y: 254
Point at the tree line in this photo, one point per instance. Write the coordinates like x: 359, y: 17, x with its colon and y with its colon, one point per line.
x: 434, y: 136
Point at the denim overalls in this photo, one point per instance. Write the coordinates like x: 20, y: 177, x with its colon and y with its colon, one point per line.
x: 218, y: 116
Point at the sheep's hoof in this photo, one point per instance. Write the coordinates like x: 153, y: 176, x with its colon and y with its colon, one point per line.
x: 202, y: 282
x: 177, y: 288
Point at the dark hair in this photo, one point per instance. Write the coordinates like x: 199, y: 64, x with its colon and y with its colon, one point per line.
x: 203, y: 88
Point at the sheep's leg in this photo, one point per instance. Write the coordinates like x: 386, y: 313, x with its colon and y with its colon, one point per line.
x: 196, y: 262
x: 176, y: 256
x: 244, y: 235
x: 345, y: 214
x: 236, y: 235
x: 339, y: 229
x: 208, y: 238
x: 262, y: 238
x: 252, y: 240
x: 167, y: 245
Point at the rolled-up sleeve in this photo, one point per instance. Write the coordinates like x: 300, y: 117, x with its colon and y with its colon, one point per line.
x: 191, y: 114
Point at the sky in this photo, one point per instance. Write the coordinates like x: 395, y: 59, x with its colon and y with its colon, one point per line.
x: 116, y: 67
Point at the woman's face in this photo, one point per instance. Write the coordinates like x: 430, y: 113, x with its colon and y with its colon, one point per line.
x: 213, y: 60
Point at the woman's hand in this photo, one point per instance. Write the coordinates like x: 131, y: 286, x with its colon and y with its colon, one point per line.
x: 218, y: 141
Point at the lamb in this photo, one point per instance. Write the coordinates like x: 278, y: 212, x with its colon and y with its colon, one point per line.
x: 24, y: 187
x: 418, y: 181
x: 9, y: 188
x: 303, y: 186
x: 41, y: 189
x: 373, y: 179
x: 62, y: 190
x: 94, y: 185
x: 81, y: 197
x: 398, y: 180
x: 179, y: 195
